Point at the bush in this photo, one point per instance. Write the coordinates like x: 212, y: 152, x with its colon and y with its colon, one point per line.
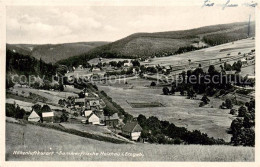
x: 242, y: 111
x: 228, y: 104
x: 14, y: 111
x: 166, y: 91
x: 153, y: 84
x: 75, y: 114
x: 177, y: 141
x: 64, y: 117
x: 233, y: 112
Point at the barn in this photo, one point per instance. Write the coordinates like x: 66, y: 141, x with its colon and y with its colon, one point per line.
x: 132, y: 130
x: 48, y: 117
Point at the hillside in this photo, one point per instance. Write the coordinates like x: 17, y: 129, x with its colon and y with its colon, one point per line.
x: 168, y: 43
x: 51, y: 53
x: 41, y: 139
x: 17, y: 63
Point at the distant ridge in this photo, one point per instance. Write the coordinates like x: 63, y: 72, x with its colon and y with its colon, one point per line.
x: 51, y: 53
x: 141, y: 45
x: 138, y: 45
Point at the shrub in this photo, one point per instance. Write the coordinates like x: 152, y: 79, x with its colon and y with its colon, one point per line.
x: 166, y: 91
x: 233, y: 112
x: 153, y: 84
x: 242, y: 111
x: 14, y: 111
x: 228, y: 104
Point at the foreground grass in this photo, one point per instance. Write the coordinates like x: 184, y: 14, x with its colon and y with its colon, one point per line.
x: 43, y: 139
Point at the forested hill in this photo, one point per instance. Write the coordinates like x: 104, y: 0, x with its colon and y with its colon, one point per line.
x: 51, y: 53
x: 17, y: 63
x: 167, y: 43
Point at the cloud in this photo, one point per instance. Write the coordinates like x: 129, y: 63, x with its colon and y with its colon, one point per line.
x: 37, y: 24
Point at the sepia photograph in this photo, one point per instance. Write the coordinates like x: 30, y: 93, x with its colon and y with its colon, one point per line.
x: 171, y: 83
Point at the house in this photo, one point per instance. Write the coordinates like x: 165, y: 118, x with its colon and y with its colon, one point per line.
x: 231, y: 72
x: 96, y: 69
x: 47, y: 117
x: 87, y: 113
x: 93, y: 119
x: 128, y: 64
x: 132, y: 130
x: 80, y: 102
x: 94, y: 102
x: 111, y: 120
x: 34, y: 117
x: 243, y: 61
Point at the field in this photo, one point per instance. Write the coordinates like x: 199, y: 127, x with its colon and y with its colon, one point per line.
x: 243, y: 46
x: 177, y: 109
x: 48, y: 140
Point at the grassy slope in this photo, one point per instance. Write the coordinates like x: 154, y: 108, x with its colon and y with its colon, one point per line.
x: 54, y: 52
x: 43, y: 139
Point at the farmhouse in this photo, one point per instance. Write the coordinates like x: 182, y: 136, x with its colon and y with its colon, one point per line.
x: 93, y: 119
x: 132, y: 130
x: 230, y: 72
x: 34, y: 117
x: 95, y: 69
x: 92, y: 102
x: 47, y: 117
x: 243, y: 61
x: 80, y: 102
x: 87, y: 113
x: 127, y: 64
x: 111, y: 120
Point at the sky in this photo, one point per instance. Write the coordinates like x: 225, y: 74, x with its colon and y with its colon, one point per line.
x: 63, y: 24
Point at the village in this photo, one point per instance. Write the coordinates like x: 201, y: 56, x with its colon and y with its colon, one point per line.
x: 86, y: 109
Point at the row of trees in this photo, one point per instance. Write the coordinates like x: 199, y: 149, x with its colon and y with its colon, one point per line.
x: 163, y: 132
x: 243, y: 127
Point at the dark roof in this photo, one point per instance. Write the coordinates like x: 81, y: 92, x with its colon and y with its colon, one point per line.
x: 113, y: 117
x: 132, y: 127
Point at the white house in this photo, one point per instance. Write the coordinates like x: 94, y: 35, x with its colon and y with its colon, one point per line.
x: 133, y: 130
x: 48, y: 117
x: 34, y: 117
x: 127, y: 64
x: 93, y: 119
x: 96, y: 69
x: 87, y: 113
x: 243, y: 61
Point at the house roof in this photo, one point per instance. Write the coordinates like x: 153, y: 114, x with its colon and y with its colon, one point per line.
x: 243, y: 59
x: 91, y: 115
x: 230, y: 72
x: 113, y: 117
x: 47, y: 114
x: 80, y: 100
x: 132, y: 127
x: 34, y: 115
x: 87, y: 112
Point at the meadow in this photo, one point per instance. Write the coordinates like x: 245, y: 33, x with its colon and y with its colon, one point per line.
x: 48, y: 140
x: 176, y: 109
x: 216, y: 52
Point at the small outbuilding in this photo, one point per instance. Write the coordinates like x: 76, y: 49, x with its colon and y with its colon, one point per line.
x: 132, y: 130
